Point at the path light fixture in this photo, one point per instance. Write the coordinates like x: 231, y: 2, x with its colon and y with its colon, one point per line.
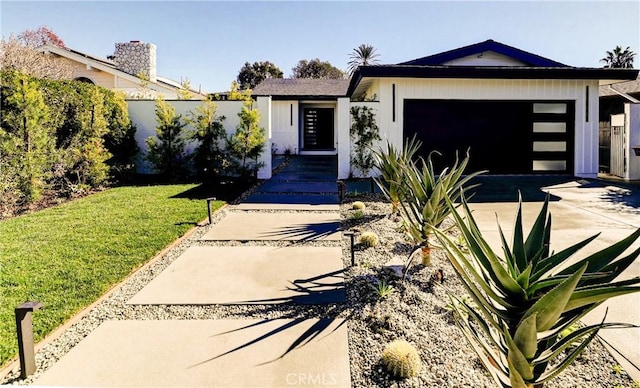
x: 209, y: 200
x: 352, y: 235
x: 24, y: 329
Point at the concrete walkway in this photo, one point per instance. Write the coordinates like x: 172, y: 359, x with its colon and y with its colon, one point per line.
x: 283, y: 246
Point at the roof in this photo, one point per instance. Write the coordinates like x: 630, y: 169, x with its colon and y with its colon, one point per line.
x: 527, y: 58
x: 302, y: 88
x: 631, y: 88
x: 108, y: 66
x: 533, y: 67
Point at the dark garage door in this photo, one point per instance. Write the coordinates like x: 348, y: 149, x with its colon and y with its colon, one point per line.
x: 504, y: 137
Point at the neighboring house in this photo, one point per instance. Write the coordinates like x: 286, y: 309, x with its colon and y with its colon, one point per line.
x: 517, y: 112
x: 131, y: 69
x: 620, y: 129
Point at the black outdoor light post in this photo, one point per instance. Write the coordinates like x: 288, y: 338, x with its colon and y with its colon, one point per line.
x: 209, y: 200
x: 352, y: 235
x: 24, y: 326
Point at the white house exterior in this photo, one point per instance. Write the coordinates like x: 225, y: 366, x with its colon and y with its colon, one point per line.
x: 517, y: 112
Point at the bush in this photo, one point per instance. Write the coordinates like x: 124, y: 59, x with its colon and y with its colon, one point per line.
x: 166, y: 149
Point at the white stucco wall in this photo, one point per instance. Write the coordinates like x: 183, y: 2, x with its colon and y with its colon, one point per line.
x: 285, y: 126
x: 586, y: 128
x: 632, y: 126
x: 142, y: 114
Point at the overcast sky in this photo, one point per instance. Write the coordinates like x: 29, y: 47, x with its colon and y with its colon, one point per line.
x: 209, y: 41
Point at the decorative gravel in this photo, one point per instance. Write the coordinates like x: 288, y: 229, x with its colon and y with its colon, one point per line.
x: 415, y: 311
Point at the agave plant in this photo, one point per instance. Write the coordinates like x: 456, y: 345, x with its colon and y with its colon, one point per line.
x: 424, y: 195
x: 525, y: 300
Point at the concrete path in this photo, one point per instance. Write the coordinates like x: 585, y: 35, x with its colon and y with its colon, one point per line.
x: 249, y: 275
x: 310, y: 352
x: 207, y: 353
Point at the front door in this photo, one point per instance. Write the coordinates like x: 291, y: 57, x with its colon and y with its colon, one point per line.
x: 317, y: 129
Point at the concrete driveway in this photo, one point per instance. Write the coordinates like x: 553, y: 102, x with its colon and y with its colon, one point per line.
x: 580, y: 208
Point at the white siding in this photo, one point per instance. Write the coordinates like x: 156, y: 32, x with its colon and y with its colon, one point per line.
x: 285, y: 126
x: 586, y: 128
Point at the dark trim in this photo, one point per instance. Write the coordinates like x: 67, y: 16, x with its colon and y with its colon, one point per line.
x: 301, y: 97
x: 393, y: 103
x: 586, y: 103
x: 488, y: 72
x: 291, y: 115
x: 529, y: 59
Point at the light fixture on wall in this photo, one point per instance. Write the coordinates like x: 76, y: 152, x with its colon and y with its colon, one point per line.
x: 636, y: 149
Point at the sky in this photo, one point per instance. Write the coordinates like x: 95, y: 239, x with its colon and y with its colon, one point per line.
x: 208, y: 42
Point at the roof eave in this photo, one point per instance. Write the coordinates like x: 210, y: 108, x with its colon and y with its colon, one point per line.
x: 486, y: 72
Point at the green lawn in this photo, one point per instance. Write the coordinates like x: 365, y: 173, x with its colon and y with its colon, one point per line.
x: 68, y: 256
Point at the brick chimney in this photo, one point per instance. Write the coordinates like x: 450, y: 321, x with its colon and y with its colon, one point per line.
x: 134, y: 57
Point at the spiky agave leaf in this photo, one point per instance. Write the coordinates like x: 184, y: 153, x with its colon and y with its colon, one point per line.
x: 527, y: 298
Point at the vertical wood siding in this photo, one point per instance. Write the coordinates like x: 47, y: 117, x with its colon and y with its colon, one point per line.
x: 586, y: 131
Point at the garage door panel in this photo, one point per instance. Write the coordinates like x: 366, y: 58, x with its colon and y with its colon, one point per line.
x: 504, y: 137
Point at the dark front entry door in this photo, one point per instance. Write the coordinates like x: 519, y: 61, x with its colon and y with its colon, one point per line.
x: 317, y: 129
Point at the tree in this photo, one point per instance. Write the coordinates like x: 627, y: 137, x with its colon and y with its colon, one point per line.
x: 209, y: 157
x: 619, y: 59
x: 21, y: 54
x: 363, y: 55
x: 25, y: 136
x: 166, y: 149
x: 316, y: 69
x: 251, y: 75
x: 36, y: 38
x: 247, y: 143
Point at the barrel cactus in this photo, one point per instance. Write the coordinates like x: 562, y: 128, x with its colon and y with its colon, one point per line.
x: 358, y: 205
x: 401, y: 359
x: 369, y: 239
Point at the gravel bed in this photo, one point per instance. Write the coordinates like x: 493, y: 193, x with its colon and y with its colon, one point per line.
x: 416, y: 311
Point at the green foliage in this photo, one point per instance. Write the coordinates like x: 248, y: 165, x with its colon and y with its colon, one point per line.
x: 120, y: 139
x: 358, y: 205
x: 209, y: 157
x: 316, y: 69
x: 363, y: 55
x: 392, y: 164
x: 364, y: 132
x: 26, y: 141
x: 382, y: 289
x: 166, y: 150
x: 247, y: 143
x: 421, y: 194
x: 619, y: 58
x: 369, y: 239
x: 526, y: 299
x: 69, y: 255
x: 251, y: 75
x: 358, y: 214
x: 401, y: 359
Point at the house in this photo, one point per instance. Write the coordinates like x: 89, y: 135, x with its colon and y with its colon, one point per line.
x: 516, y: 112
x: 131, y: 69
x: 620, y: 130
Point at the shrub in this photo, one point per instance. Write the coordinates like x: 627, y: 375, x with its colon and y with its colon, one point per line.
x: 166, y: 149
x: 526, y: 300
x: 401, y: 359
x: 358, y: 214
x: 209, y: 157
x: 364, y: 132
x: 358, y: 205
x: 369, y: 239
x: 382, y: 289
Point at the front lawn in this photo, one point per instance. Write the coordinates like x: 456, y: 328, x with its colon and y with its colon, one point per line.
x: 68, y: 256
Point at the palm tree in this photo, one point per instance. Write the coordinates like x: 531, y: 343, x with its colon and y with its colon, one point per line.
x: 619, y: 59
x: 363, y: 55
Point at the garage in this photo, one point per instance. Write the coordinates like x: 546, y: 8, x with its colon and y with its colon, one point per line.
x: 503, y: 136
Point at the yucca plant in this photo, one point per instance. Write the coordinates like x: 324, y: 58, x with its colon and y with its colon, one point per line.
x: 390, y: 163
x: 423, y: 198
x: 525, y: 300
